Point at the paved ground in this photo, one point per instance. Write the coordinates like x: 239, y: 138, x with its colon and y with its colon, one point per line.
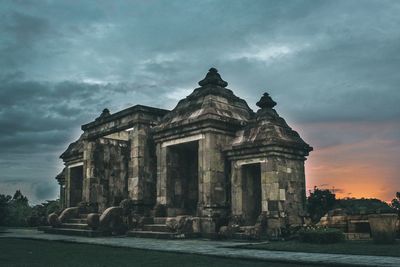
x: 212, y: 248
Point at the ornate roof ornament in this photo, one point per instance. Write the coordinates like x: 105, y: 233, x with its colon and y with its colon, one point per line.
x: 213, y: 78
x: 104, y: 113
x: 266, y: 102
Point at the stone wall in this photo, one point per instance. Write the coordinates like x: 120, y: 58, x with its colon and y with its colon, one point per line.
x: 282, y: 187
x: 106, y: 165
x: 283, y: 183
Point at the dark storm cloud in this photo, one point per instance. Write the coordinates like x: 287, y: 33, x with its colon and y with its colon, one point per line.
x: 44, y: 115
x: 62, y: 62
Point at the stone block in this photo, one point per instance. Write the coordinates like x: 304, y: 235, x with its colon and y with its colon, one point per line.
x: 208, y: 225
x: 282, y: 194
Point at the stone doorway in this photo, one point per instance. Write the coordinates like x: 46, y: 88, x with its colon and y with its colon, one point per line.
x: 76, y: 184
x: 251, y: 174
x: 182, y: 177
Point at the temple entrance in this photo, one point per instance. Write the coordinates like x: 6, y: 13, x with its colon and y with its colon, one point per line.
x: 75, y: 187
x: 182, y: 176
x: 251, y: 174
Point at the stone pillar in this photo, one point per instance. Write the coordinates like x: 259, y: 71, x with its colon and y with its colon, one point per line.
x: 61, y: 181
x: 162, y: 194
x: 283, y: 188
x: 62, y: 195
x: 236, y: 189
x: 88, y: 171
x: 141, y: 181
x: 271, y: 191
x: 67, y: 187
x: 212, y: 179
x: 213, y: 182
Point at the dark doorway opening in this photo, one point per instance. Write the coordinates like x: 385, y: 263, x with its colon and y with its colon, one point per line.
x: 251, y: 174
x: 76, y: 184
x: 182, y: 175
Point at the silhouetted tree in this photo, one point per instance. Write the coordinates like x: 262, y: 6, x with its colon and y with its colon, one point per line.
x: 319, y: 202
x: 396, y: 203
x: 19, y: 210
x: 4, y: 208
x: 15, y: 210
x: 363, y: 206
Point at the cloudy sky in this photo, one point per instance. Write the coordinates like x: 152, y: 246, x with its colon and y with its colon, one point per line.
x: 332, y: 66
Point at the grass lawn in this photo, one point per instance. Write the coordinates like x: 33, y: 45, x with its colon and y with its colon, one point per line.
x: 347, y: 247
x: 23, y: 252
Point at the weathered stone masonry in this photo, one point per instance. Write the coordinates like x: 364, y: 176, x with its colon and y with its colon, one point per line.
x: 210, y: 157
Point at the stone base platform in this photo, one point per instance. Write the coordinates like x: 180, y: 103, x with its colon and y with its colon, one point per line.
x: 73, y: 232
x: 161, y: 235
x: 157, y: 228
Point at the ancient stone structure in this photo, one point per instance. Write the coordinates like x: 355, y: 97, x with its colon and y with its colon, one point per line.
x: 211, y: 158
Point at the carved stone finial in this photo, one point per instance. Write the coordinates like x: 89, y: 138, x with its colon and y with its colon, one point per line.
x: 213, y: 78
x: 266, y: 102
x: 104, y: 113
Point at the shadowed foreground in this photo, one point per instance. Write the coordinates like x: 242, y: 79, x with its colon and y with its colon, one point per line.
x: 348, y: 248
x: 23, y: 252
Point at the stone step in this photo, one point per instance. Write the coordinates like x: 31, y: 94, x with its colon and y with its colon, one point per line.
x: 82, y: 215
x: 147, y: 220
x: 75, y: 220
x: 161, y: 235
x: 240, y: 236
x: 242, y: 229
x: 160, y: 220
x: 156, y: 228
x: 74, y: 226
x: 74, y: 232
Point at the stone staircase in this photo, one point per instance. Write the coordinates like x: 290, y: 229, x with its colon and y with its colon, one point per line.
x: 157, y: 228
x: 75, y: 226
x: 244, y: 233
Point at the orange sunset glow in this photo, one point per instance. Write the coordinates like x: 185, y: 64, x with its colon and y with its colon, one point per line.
x: 365, y: 167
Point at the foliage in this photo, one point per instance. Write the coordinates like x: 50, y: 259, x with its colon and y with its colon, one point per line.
x: 396, y: 203
x: 319, y: 202
x: 320, y: 235
x: 40, y: 212
x: 4, y: 208
x: 363, y: 206
x: 15, y: 210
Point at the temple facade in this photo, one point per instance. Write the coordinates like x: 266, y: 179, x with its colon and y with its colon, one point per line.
x: 211, y: 158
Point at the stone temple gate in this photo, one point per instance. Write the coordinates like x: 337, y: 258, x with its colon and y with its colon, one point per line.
x: 211, y: 158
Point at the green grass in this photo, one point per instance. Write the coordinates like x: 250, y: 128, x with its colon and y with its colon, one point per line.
x: 24, y: 252
x: 347, y: 247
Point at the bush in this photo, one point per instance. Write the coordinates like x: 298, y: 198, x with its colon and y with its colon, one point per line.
x: 319, y: 202
x: 320, y: 235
